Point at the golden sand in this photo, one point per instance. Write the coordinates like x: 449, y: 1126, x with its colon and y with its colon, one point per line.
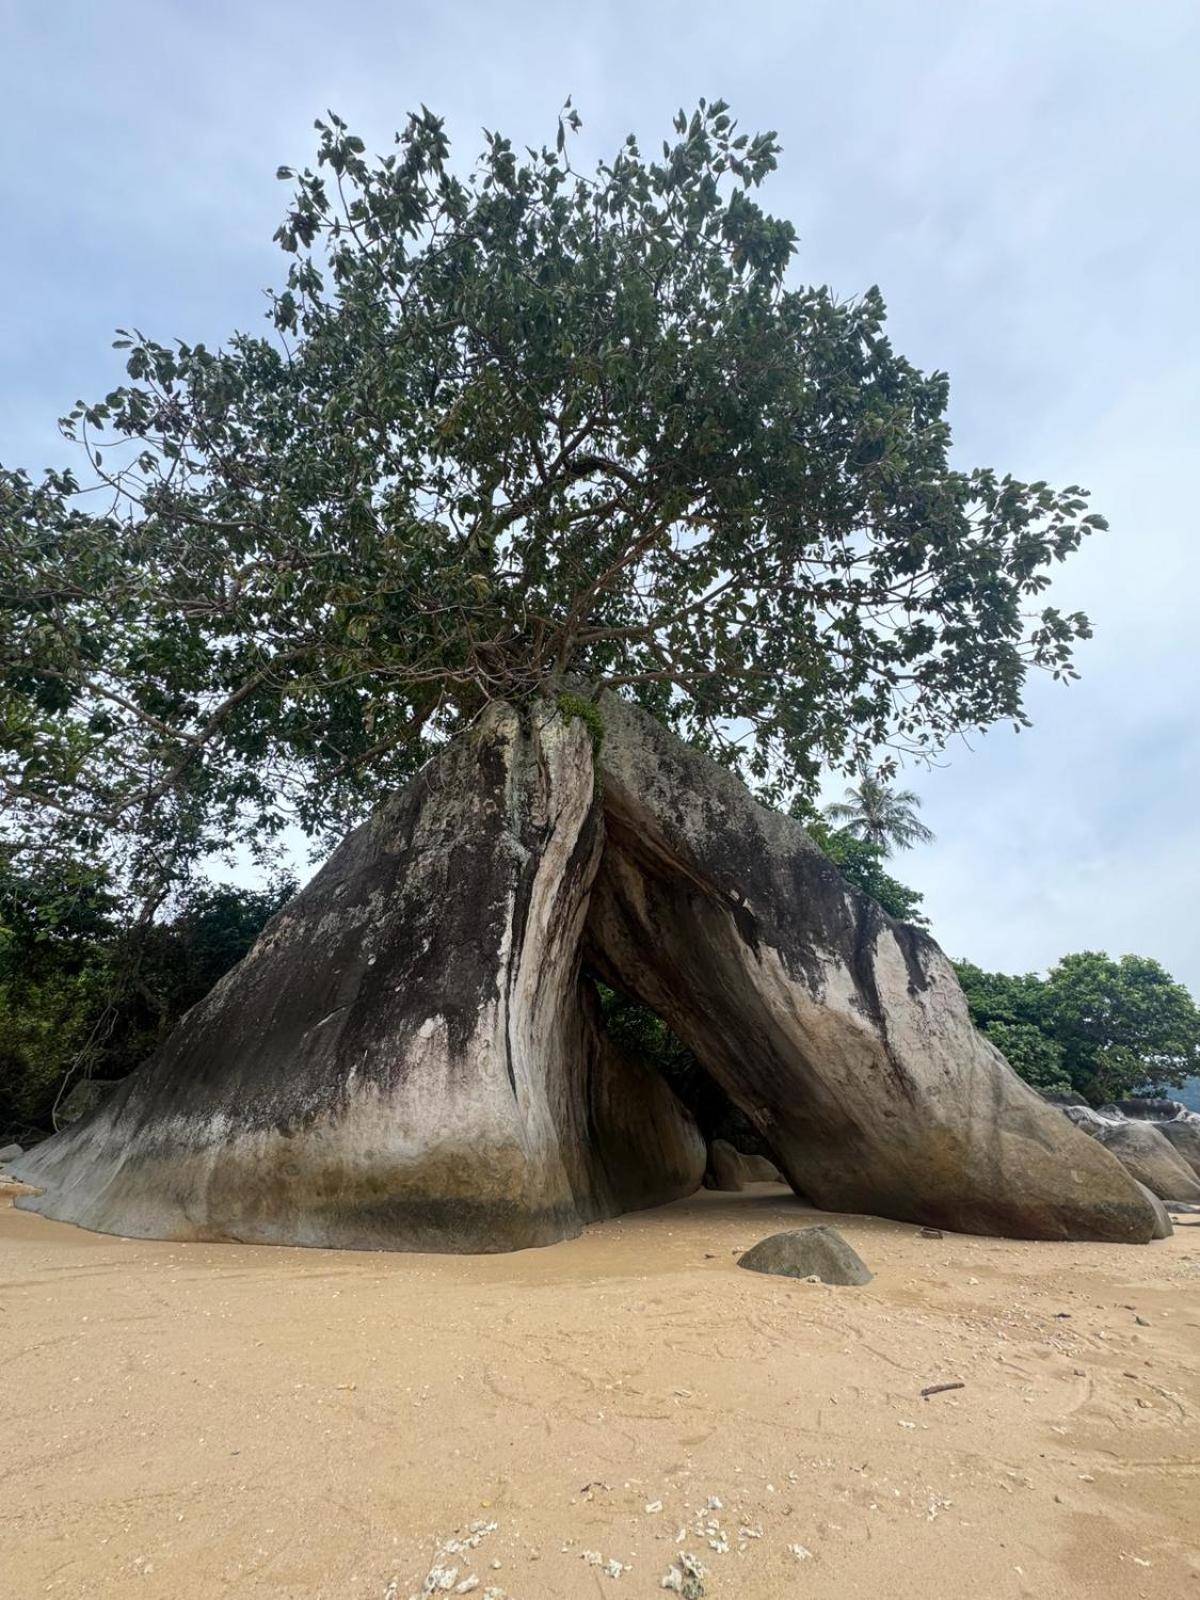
x: 185, y: 1421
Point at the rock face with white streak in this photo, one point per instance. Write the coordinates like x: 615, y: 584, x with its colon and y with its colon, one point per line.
x: 411, y: 1057
x: 406, y: 1058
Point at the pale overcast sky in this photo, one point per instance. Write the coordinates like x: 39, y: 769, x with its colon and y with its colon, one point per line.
x: 1019, y: 176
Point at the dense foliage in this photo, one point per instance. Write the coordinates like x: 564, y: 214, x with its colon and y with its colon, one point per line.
x: 83, y: 994
x: 860, y: 862
x: 1105, y: 1028
x: 504, y: 424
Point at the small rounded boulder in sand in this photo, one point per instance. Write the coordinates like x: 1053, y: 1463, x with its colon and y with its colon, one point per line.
x: 819, y: 1252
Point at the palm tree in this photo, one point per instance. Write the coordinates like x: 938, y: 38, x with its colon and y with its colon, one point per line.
x: 882, y: 816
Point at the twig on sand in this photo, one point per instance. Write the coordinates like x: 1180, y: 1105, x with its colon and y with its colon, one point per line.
x: 940, y: 1388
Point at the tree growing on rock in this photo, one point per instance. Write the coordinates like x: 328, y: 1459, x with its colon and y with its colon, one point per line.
x: 507, y: 423
x: 523, y: 448
x: 860, y: 862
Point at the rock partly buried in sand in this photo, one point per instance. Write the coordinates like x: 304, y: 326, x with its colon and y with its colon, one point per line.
x: 1145, y: 1152
x: 842, y: 1035
x: 410, y: 1057
x: 1163, y: 1228
x: 732, y: 1169
x: 819, y: 1252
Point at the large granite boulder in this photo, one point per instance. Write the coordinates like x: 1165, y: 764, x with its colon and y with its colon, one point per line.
x: 1163, y: 1226
x: 1178, y: 1126
x: 406, y: 1058
x: 842, y: 1034
x: 1184, y: 1138
x: 411, y: 1056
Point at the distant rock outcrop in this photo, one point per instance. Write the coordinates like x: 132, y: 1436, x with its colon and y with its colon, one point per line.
x: 411, y: 1057
x: 1147, y: 1109
x: 1143, y: 1149
x: 732, y: 1169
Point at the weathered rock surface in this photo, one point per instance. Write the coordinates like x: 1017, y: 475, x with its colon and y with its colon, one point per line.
x: 1184, y: 1138
x: 1083, y: 1116
x: 1163, y: 1226
x: 1145, y: 1152
x: 1172, y: 1119
x: 843, y: 1035
x: 411, y: 1057
x: 732, y: 1169
x: 644, y: 1148
x: 406, y: 1058
x: 83, y: 1097
x: 758, y: 1169
x: 1162, y: 1161
x: 10, y: 1152
x: 818, y: 1252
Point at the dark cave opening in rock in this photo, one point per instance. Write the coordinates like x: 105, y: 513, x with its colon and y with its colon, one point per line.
x: 639, y: 1032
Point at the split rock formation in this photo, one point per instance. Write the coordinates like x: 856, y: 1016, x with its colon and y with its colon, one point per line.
x: 413, y: 1056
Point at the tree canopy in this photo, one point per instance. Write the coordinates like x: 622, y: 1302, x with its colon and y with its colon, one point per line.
x: 504, y: 424
x: 1105, y: 1028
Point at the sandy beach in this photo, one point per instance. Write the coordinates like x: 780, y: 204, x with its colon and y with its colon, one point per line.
x: 211, y: 1420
